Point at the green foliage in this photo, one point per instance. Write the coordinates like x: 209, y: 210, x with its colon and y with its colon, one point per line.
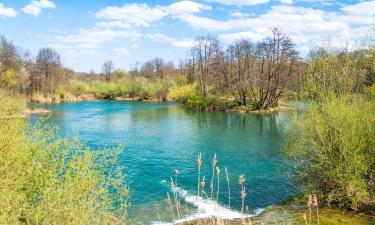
x: 8, y: 78
x: 77, y: 88
x: 330, y: 75
x: 370, y: 91
x: 49, y: 180
x: 181, y: 93
x: 10, y: 106
x: 333, y: 146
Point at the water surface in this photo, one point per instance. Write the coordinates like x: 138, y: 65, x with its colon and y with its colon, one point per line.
x: 160, y: 137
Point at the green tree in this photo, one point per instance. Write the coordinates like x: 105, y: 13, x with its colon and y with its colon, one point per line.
x: 331, y: 74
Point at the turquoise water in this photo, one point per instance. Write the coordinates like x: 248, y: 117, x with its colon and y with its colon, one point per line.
x: 161, y: 137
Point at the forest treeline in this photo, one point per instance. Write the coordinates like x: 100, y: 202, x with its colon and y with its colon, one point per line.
x: 253, y: 75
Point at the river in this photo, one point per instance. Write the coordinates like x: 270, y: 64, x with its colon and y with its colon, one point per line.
x: 161, y: 137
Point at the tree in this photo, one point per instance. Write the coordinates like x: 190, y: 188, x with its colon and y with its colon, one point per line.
x: 48, y: 66
x: 12, y: 73
x: 203, y: 54
x: 240, y: 71
x: 276, y: 63
x: 107, y: 70
x: 332, y: 74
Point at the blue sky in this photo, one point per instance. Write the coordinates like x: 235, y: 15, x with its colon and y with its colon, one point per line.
x: 86, y: 32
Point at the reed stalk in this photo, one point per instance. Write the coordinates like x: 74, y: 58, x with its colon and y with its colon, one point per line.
x: 218, y: 183
x: 170, y: 204
x: 227, y: 179
x: 315, y: 204
x: 213, y: 164
x: 199, y: 164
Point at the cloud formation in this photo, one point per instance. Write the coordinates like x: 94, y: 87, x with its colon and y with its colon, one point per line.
x: 133, y: 14
x: 7, y: 12
x: 36, y: 6
x: 240, y: 2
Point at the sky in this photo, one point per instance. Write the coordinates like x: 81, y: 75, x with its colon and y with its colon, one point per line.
x: 87, y: 33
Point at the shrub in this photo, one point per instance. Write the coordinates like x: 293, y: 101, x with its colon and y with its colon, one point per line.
x: 181, y: 93
x: 49, y: 180
x: 333, y: 146
x: 331, y: 75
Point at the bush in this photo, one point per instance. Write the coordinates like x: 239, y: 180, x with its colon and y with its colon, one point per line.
x: 333, y: 146
x: 331, y: 75
x: 182, y: 93
x: 78, y: 88
x: 48, y: 180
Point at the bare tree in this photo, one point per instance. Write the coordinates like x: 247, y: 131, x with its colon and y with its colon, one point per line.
x: 276, y: 56
x: 240, y: 71
x: 107, y: 70
x: 48, y: 66
x: 203, y: 54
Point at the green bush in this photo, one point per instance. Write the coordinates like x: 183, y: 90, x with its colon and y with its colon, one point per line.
x: 330, y: 75
x: 333, y: 146
x: 49, y: 180
x: 78, y: 88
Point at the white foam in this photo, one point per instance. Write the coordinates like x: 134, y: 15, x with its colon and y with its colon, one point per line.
x: 205, y: 208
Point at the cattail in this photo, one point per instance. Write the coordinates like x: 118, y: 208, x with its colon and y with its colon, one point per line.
x: 243, y: 196
x: 217, y: 171
x: 241, y: 179
x: 227, y: 178
x: 314, y: 201
x: 309, y: 201
x: 213, y: 164
x: 214, y: 161
x: 198, y: 162
x: 218, y: 182
x: 176, y: 172
x: 203, y: 183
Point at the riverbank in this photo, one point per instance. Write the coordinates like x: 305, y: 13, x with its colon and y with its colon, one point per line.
x: 223, y: 105
x: 85, y: 98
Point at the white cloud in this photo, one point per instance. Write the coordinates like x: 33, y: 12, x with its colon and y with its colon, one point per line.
x: 134, y: 46
x: 36, y: 6
x: 133, y: 14
x: 241, y: 14
x: 240, y: 2
x: 185, y: 43
x: 7, y: 12
x: 306, y: 26
x: 95, y: 37
x: 361, y: 9
x: 121, y: 51
x: 188, y: 7
x: 116, y: 23
x: 286, y: 1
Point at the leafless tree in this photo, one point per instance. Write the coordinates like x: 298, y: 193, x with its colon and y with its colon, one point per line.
x: 203, y: 54
x: 48, y: 65
x: 240, y: 70
x: 107, y: 70
x: 276, y: 56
